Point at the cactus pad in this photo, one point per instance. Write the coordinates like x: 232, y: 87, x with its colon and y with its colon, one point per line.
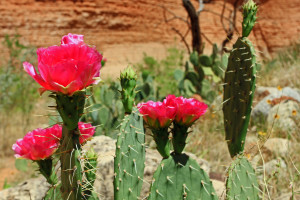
x: 180, y: 177
x: 241, y: 182
x: 239, y: 89
x: 130, y: 157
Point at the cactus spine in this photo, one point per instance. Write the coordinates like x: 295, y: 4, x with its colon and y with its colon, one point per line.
x: 129, y: 162
x: 70, y: 109
x: 239, y: 90
x: 90, y: 169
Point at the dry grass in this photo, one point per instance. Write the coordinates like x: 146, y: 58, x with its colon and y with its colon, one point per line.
x: 283, y: 70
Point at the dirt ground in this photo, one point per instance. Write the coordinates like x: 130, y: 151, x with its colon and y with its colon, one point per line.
x: 8, y: 172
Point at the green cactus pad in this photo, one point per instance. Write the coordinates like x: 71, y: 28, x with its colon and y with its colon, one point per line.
x: 180, y: 177
x: 241, y: 183
x: 239, y: 89
x: 129, y: 162
x: 249, y: 17
x: 205, y: 60
x: 194, y: 58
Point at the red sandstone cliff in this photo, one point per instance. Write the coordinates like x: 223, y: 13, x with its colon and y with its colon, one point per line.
x: 106, y: 22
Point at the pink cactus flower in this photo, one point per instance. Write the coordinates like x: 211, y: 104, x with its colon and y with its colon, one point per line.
x: 86, y: 131
x: 156, y: 114
x: 42, y: 143
x: 67, y: 68
x: 38, y: 144
x: 188, y: 110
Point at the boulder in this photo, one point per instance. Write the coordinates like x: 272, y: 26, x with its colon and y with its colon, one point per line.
x: 284, y: 117
x: 262, y: 109
x: 278, y: 147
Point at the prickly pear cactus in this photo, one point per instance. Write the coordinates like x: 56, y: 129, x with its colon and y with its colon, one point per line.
x: 129, y: 162
x: 239, y: 89
x: 180, y: 177
x: 70, y: 109
x: 239, y: 84
x: 241, y: 183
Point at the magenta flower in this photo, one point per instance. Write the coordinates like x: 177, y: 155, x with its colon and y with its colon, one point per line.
x: 156, y: 114
x: 67, y: 68
x: 38, y: 144
x: 188, y: 110
x: 42, y: 143
x: 86, y: 131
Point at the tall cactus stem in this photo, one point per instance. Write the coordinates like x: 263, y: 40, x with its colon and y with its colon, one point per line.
x: 70, y: 109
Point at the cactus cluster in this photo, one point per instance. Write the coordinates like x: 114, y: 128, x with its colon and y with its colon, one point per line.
x: 178, y: 176
x: 238, y: 95
x: 130, y: 147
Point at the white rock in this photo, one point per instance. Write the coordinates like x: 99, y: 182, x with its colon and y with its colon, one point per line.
x: 287, y: 117
x: 278, y: 146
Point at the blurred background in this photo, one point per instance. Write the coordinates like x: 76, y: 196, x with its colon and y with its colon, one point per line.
x: 155, y: 37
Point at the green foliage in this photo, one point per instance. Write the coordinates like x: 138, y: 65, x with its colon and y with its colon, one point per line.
x: 204, y: 77
x: 180, y: 177
x: 130, y: 157
x: 6, y: 185
x: 18, y: 87
x: 241, y: 183
x: 146, y: 87
x: 159, y: 75
x: 105, y: 109
x: 239, y: 89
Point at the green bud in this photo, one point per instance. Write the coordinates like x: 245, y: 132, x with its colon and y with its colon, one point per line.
x: 128, y: 82
x: 249, y: 17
